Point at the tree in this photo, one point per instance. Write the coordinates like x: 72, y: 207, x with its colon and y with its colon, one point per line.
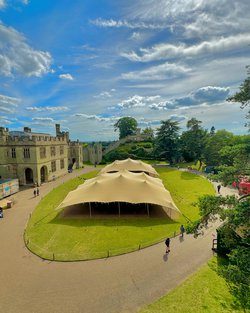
x: 193, y: 141
x: 214, y: 143
x: 193, y: 124
x: 212, y: 131
x: 230, y: 153
x: 126, y: 126
x: 167, y: 140
x: 148, y: 132
x: 243, y: 96
x: 233, y: 239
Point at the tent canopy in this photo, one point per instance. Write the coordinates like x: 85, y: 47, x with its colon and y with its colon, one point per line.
x: 123, y: 186
x: 130, y: 165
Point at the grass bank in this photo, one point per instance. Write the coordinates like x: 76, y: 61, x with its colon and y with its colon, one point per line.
x: 185, y: 188
x: 53, y: 237
x: 203, y: 292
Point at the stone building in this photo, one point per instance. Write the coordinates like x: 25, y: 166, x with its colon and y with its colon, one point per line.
x: 92, y: 153
x: 37, y: 157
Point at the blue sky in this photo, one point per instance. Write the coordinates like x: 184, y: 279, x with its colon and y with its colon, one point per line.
x: 85, y: 64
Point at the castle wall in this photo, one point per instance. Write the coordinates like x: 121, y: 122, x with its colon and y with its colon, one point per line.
x: 93, y: 153
x: 24, y: 157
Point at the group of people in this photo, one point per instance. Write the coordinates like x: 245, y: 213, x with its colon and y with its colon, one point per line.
x: 36, y: 192
x: 167, y: 241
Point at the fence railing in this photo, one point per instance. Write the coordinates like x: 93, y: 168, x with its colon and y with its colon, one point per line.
x: 72, y: 255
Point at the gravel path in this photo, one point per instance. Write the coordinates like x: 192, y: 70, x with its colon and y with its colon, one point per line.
x: 121, y: 284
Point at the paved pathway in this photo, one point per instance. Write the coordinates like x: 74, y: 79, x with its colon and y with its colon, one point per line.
x: 122, y: 284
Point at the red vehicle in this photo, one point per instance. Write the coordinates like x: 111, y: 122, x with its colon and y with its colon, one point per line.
x: 244, y: 187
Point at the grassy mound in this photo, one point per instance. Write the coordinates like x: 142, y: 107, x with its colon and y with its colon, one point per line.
x: 53, y: 237
x: 185, y: 188
x: 203, y: 292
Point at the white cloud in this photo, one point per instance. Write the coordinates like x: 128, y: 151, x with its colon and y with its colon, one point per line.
x: 135, y: 36
x: 8, y: 104
x: 178, y: 118
x: 2, y: 4
x: 47, y: 108
x: 25, y: 2
x: 90, y: 117
x: 158, y: 72
x: 166, y: 51
x: 4, y: 121
x: 128, y: 24
x: 97, y: 117
x: 43, y: 119
x: 208, y: 95
x: 16, y: 56
x: 194, y: 17
x: 104, y: 94
x: 66, y: 76
x: 163, y: 105
x: 137, y: 101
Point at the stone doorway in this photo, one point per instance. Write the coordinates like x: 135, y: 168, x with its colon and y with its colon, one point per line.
x: 29, y: 176
x: 44, y: 174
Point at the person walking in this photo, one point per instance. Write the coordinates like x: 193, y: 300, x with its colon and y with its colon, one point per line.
x: 1, y: 212
x: 182, y: 229
x: 37, y: 191
x: 218, y: 188
x: 34, y: 192
x: 167, y: 243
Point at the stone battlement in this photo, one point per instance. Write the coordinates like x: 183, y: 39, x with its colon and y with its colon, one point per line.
x: 34, y: 140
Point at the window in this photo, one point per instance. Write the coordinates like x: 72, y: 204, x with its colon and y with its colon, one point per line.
x: 53, y: 166
x: 26, y: 153
x: 62, y: 163
x: 61, y: 150
x: 42, y: 152
x: 13, y: 153
x: 53, y: 151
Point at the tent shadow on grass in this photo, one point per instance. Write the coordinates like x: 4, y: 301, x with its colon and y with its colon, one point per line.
x: 107, y: 214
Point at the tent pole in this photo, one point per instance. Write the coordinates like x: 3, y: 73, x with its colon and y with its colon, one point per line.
x: 119, y: 208
x: 89, y: 209
x: 148, y: 209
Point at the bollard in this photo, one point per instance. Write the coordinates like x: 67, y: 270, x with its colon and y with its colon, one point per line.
x: 53, y: 257
x: 174, y: 234
x: 108, y: 254
x: 139, y: 247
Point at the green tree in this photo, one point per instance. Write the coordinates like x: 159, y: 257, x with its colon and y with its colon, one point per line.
x: 148, y: 132
x: 193, y: 141
x: 212, y: 131
x: 126, y: 126
x: 214, y: 143
x: 230, y: 155
x: 167, y: 140
x: 243, y: 96
x: 233, y: 237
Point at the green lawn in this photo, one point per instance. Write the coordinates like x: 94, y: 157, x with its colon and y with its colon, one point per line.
x: 203, y: 292
x: 53, y: 237
x: 185, y: 188
x: 154, y: 162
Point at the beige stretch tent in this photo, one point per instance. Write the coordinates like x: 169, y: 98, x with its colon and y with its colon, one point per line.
x: 130, y: 165
x: 123, y: 186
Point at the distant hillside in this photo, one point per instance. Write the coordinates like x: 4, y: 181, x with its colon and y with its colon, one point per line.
x: 135, y: 150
